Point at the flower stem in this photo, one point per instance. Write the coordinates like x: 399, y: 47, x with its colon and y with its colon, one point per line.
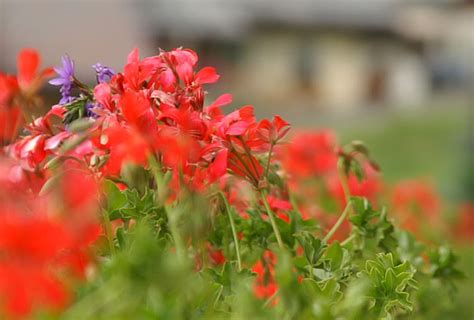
x: 234, y: 232
x: 338, y: 223
x: 263, y: 195
x: 160, y: 199
x: 349, y: 239
x: 270, y: 299
x: 347, y: 195
x: 108, y: 231
x: 269, y: 160
x: 173, y: 225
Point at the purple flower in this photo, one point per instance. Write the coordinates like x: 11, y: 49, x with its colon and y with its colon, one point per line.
x: 104, y: 74
x: 65, y: 79
x: 90, y: 110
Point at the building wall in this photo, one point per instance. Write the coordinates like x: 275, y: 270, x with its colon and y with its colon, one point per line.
x: 343, y: 72
x: 341, y: 75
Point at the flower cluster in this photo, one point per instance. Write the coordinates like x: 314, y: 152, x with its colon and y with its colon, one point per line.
x: 155, y: 108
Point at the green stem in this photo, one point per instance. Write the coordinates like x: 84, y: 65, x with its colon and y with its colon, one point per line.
x: 234, y: 232
x: 343, y: 177
x: 156, y: 168
x: 160, y: 198
x: 268, y: 160
x: 339, y: 221
x: 269, y: 300
x: 108, y: 231
x: 173, y: 225
x: 347, y: 195
x: 263, y: 195
x: 349, y: 239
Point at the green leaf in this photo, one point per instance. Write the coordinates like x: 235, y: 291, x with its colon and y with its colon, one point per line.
x: 358, y: 171
x: 443, y: 264
x: 391, y: 284
x: 312, y: 246
x: 121, y: 237
x: 115, y: 198
x: 81, y: 124
x: 360, y: 147
x: 75, y: 110
x: 335, y: 254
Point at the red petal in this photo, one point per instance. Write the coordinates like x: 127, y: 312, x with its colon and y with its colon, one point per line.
x: 134, y: 106
x: 185, y: 72
x: 28, y: 63
x: 207, y: 75
x: 223, y: 100
x: 279, y: 123
x: 102, y: 95
x: 133, y: 56
x: 219, y: 166
x: 238, y: 128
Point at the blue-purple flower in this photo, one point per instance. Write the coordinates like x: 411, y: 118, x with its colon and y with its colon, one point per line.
x: 65, y: 79
x: 104, y: 74
x: 90, y: 110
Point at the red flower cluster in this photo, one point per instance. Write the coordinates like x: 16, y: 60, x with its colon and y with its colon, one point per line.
x: 156, y: 108
x: 310, y: 154
x: 158, y: 102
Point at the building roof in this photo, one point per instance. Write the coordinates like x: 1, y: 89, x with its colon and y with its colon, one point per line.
x: 234, y: 18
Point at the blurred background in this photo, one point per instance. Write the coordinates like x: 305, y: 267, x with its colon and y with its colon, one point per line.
x: 397, y: 74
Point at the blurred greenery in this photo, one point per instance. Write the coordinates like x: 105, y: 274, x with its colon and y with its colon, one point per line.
x: 429, y: 143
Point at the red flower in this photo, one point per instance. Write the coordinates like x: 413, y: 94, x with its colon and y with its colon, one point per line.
x: 25, y: 85
x: 32, y: 150
x: 124, y: 145
x: 28, y: 64
x: 8, y: 89
x: 370, y: 187
x: 136, y: 108
x: 10, y: 122
x: 464, y: 228
x: 416, y: 204
x: 310, y: 154
x: 280, y: 207
x: 265, y: 285
x: 272, y: 132
x: 216, y: 255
